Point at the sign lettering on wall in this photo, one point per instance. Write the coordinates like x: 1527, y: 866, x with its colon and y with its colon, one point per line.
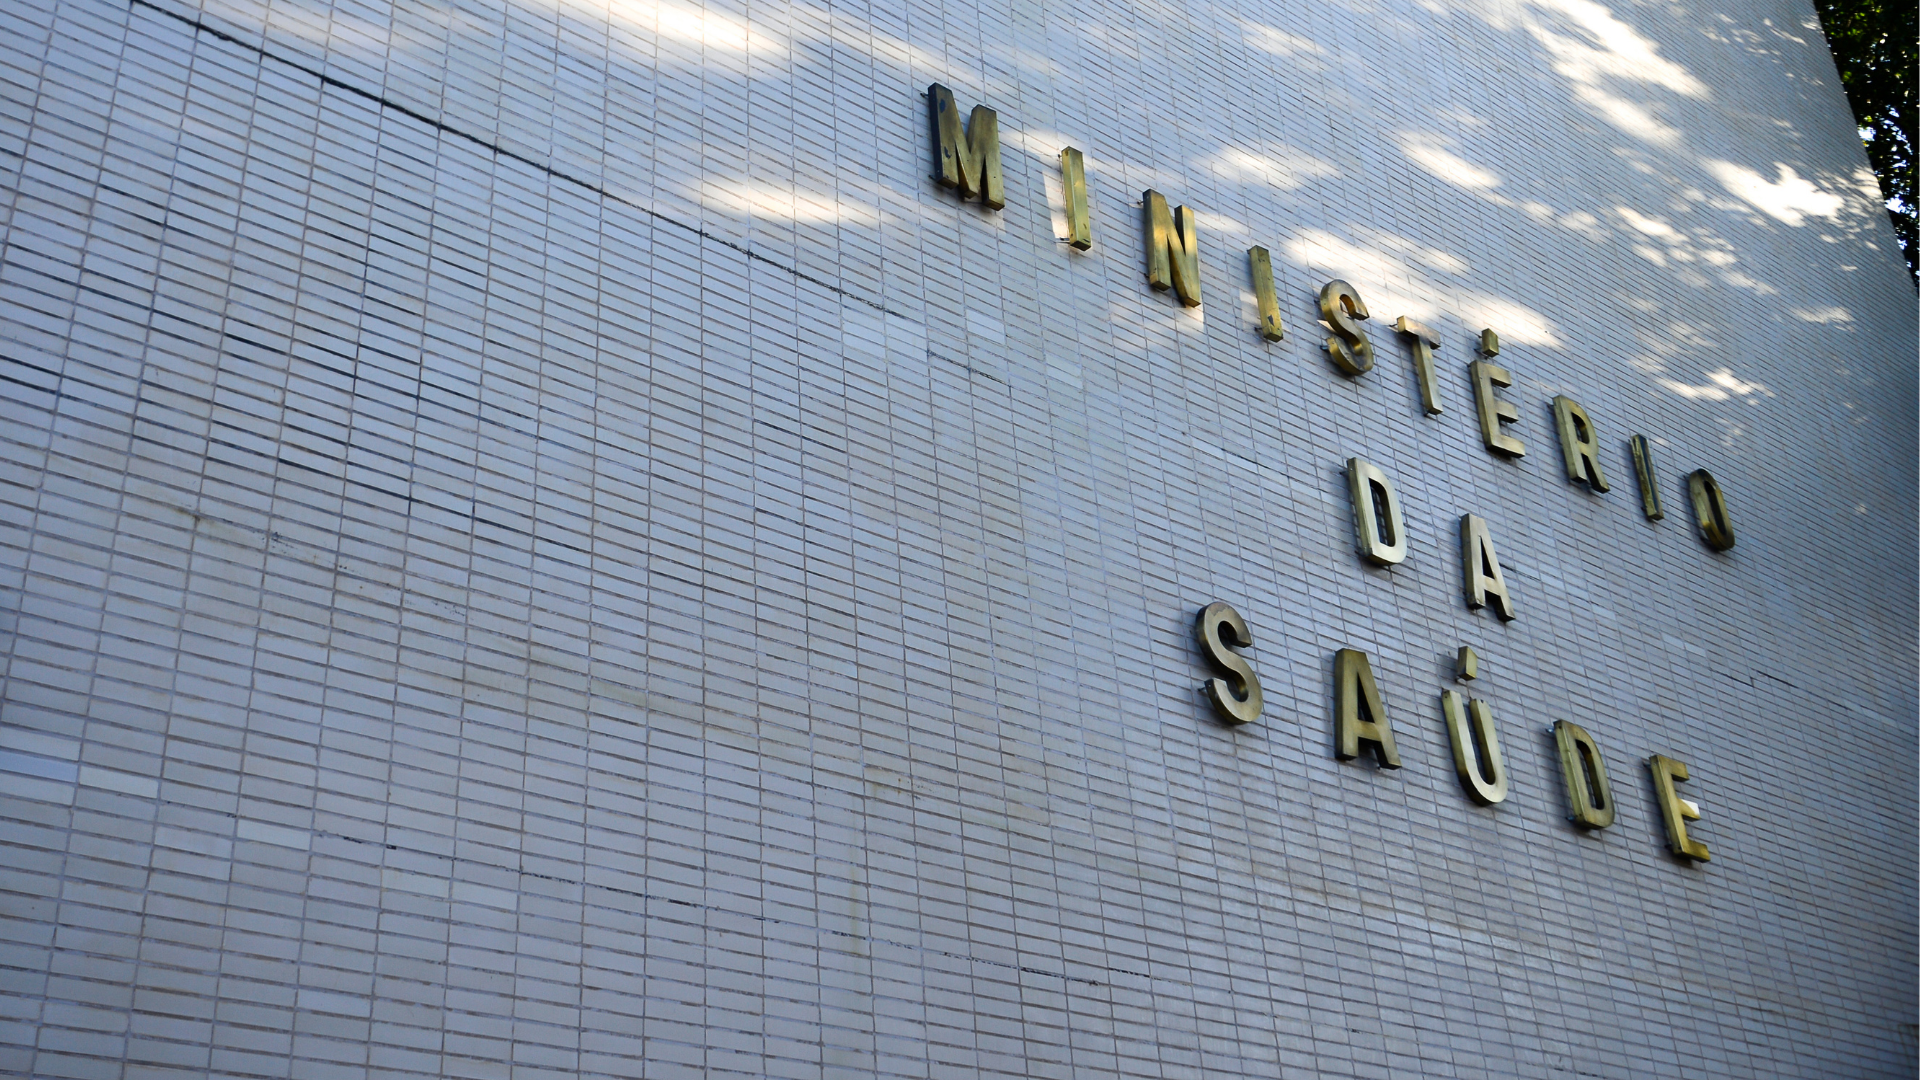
x: 966, y: 158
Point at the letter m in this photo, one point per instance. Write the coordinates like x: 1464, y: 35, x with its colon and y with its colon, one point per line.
x: 969, y: 161
x: 1173, y: 248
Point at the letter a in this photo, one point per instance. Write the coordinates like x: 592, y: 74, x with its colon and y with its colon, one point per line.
x: 1482, y: 565
x: 1358, y: 714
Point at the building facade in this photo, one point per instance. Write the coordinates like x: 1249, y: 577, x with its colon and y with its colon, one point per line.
x: 543, y: 539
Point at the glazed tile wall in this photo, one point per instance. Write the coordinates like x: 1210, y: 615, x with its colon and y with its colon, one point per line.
x: 535, y: 541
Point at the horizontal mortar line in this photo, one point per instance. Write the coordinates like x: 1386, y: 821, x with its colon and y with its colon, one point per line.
x: 707, y: 908
x: 215, y: 440
x: 500, y: 151
x: 968, y: 368
x: 486, y: 397
x: 715, y: 908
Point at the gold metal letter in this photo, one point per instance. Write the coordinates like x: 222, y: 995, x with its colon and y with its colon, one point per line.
x: 1489, y: 343
x: 1494, y: 411
x: 1676, y: 810
x: 1358, y: 715
x: 1589, y: 797
x: 1710, y: 510
x: 1073, y: 178
x: 1476, y: 750
x: 1260, y: 266
x: 1379, y: 528
x: 1482, y: 566
x: 1466, y: 666
x: 1579, y: 444
x: 1340, y: 305
x: 1649, y: 485
x: 1424, y: 341
x: 1237, y: 697
x: 970, y: 161
x: 1173, y: 248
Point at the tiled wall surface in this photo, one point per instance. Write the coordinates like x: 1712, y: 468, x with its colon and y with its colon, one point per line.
x: 534, y: 541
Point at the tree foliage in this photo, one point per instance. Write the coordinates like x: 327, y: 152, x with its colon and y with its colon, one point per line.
x: 1873, y: 43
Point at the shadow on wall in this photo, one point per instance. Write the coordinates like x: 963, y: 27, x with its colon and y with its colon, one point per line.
x: 669, y: 82
x: 666, y: 55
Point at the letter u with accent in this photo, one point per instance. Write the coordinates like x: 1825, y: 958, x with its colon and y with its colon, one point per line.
x: 1476, y: 749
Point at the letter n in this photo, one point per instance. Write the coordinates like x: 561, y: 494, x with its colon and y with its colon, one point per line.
x: 969, y: 160
x: 1173, y: 248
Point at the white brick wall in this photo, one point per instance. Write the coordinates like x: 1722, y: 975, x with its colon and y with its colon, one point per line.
x: 635, y: 581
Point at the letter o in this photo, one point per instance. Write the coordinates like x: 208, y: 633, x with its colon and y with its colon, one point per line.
x: 1710, y: 510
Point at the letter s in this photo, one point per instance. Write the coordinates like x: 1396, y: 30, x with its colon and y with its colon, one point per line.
x: 1236, y: 697
x: 1340, y: 305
